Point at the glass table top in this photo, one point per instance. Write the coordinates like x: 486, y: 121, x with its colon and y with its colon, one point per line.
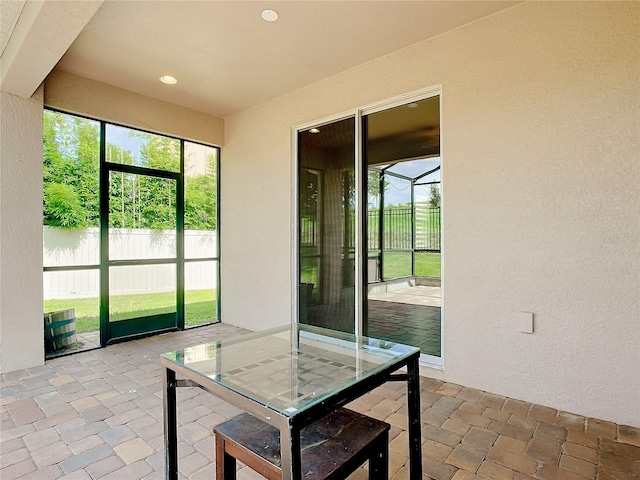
x: 290, y: 368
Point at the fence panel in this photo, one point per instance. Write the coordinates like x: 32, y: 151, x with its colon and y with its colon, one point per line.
x: 397, y: 229
x: 65, y: 247
x: 427, y: 228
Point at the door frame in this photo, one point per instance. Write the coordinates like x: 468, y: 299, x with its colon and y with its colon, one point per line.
x: 115, y: 331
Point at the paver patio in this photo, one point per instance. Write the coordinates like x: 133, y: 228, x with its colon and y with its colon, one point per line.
x: 408, y: 315
x: 98, y: 415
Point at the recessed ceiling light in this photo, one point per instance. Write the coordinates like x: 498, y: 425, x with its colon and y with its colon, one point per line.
x: 412, y: 105
x: 168, y: 79
x: 314, y: 130
x: 270, y: 15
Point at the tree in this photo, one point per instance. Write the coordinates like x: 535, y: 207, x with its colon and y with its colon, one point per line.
x: 200, y: 203
x: 434, y: 199
x: 161, y: 153
x: 200, y: 206
x: 72, y: 175
x: 309, y: 188
x: 62, y: 206
x: 70, y: 171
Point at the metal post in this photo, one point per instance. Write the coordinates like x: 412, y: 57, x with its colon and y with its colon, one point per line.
x: 413, y: 404
x: 381, y: 227
x: 180, y: 315
x: 290, y: 450
x: 170, y: 426
x: 104, y: 239
x: 413, y: 229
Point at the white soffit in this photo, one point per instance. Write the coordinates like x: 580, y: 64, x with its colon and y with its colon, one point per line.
x: 9, y: 14
x: 35, y: 40
x: 227, y: 58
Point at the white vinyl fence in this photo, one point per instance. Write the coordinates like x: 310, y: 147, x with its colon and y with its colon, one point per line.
x: 64, y: 247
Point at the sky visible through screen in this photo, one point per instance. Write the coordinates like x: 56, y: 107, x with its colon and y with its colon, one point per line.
x: 123, y: 138
x: 398, y: 191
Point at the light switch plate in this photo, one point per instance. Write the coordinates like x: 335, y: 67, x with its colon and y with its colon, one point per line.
x: 525, y: 322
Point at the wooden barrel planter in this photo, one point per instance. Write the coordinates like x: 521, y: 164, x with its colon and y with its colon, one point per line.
x: 59, y: 330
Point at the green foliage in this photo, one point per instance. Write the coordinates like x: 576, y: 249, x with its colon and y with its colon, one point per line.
x: 71, y: 171
x: 373, y: 184
x: 141, y: 202
x: 62, y: 206
x: 434, y: 199
x: 200, y: 203
x: 161, y: 153
x: 72, y: 175
x: 309, y: 188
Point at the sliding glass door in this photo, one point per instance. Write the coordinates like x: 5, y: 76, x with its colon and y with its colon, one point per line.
x: 368, y: 220
x: 401, y: 146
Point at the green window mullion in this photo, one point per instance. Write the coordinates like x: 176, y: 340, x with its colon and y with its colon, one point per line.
x: 104, y: 239
x: 180, y: 242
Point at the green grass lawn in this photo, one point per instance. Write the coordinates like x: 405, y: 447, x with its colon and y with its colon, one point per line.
x: 428, y: 264
x: 398, y: 264
x: 200, y: 307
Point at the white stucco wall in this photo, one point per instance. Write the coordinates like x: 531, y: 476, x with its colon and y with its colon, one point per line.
x: 21, y: 324
x: 541, y: 199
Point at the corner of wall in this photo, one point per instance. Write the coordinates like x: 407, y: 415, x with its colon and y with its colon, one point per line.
x: 21, y: 323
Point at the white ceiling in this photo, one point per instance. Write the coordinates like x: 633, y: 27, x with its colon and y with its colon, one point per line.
x: 228, y: 59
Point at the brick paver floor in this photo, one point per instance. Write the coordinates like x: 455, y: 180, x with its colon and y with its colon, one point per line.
x: 98, y: 415
x: 417, y: 325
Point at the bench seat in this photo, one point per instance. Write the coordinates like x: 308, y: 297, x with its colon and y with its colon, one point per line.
x: 332, y: 447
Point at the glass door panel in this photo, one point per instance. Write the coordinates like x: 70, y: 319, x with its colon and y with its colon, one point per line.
x: 141, y: 291
x: 326, y: 173
x: 143, y: 277
x: 142, y: 217
x: 401, y: 148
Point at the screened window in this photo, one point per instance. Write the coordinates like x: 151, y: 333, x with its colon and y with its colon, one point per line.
x: 130, y: 231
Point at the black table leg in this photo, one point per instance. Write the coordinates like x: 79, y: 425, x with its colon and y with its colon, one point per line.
x: 170, y: 426
x: 290, y: 453
x: 413, y: 404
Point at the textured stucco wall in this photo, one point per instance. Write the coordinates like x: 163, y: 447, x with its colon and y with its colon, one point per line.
x: 83, y: 96
x: 21, y: 324
x: 541, y: 191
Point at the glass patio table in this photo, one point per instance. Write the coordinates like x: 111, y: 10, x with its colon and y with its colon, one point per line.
x: 290, y: 377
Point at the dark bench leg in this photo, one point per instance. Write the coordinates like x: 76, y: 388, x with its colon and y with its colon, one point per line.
x: 379, y: 460
x: 225, y: 463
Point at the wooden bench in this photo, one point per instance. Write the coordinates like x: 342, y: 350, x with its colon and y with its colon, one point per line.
x: 332, y: 448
